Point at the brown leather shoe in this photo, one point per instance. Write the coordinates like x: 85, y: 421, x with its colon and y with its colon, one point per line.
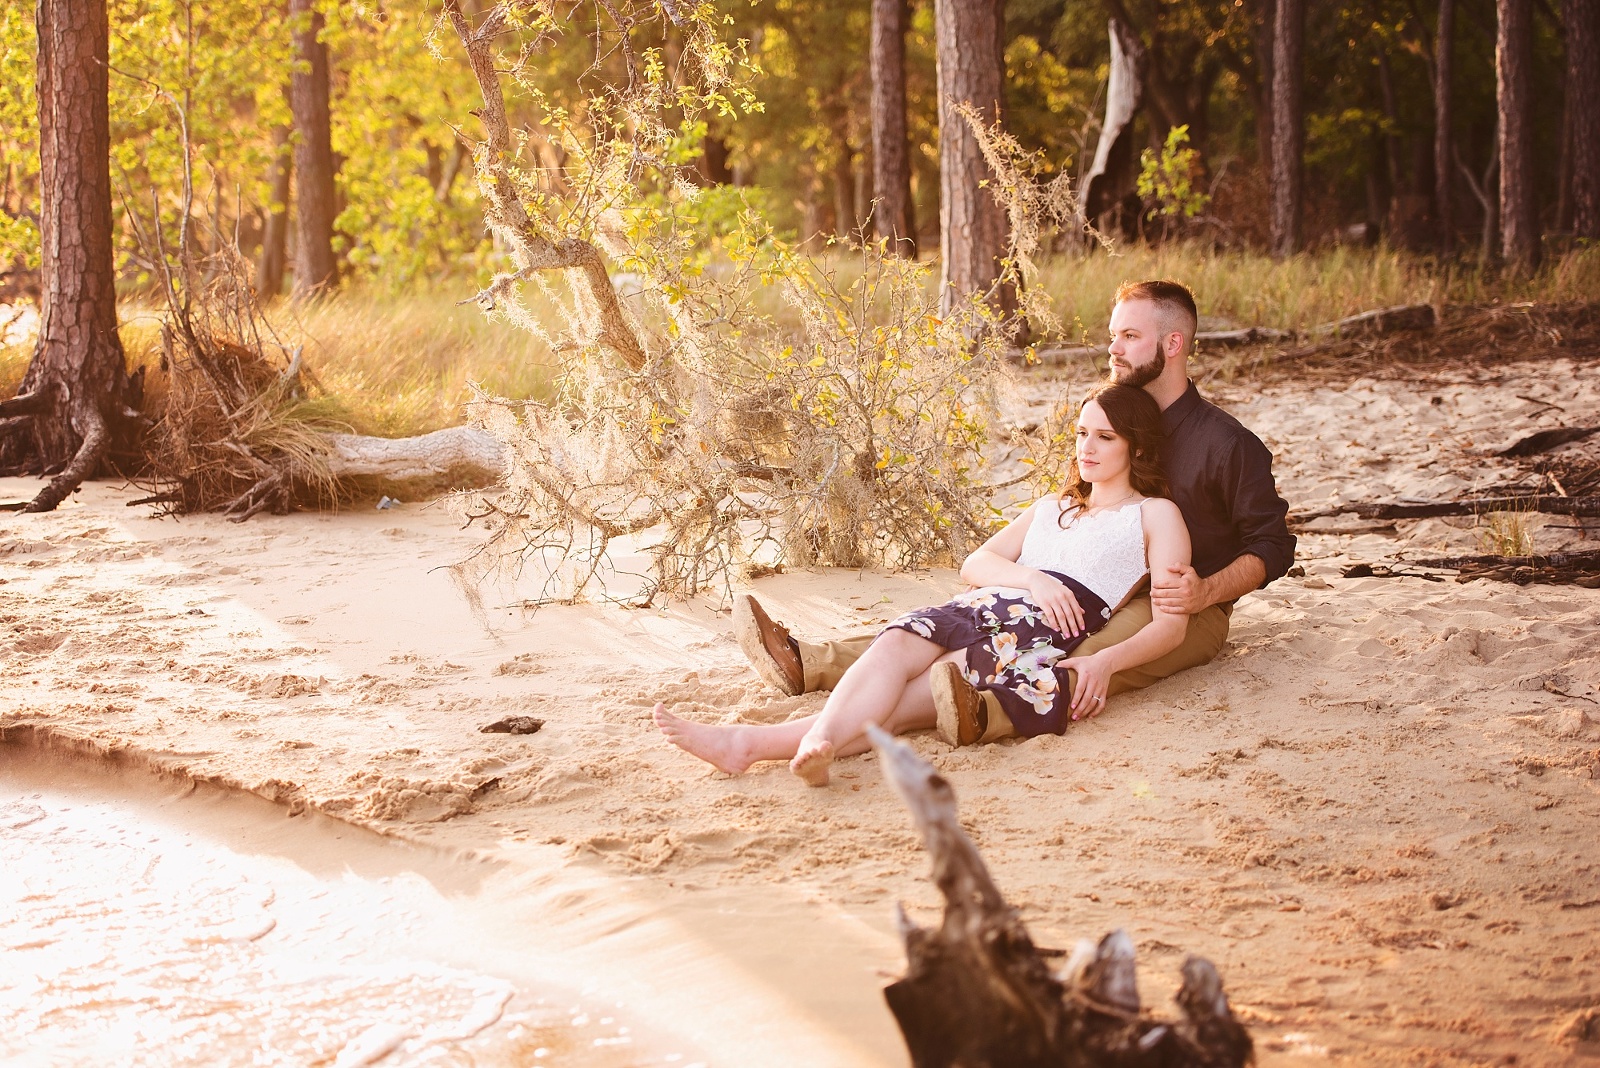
x: 767, y: 646
x: 959, y: 713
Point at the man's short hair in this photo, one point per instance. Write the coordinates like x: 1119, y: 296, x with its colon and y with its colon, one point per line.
x: 1174, y: 304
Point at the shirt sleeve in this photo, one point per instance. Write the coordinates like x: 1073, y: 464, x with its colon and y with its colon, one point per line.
x: 1259, y: 515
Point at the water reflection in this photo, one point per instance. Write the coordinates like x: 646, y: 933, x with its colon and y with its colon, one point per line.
x: 166, y: 932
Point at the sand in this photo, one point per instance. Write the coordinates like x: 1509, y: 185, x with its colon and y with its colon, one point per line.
x: 1375, y: 811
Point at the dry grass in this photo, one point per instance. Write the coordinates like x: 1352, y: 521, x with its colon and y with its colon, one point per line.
x: 1252, y: 289
x: 397, y: 366
x: 388, y: 365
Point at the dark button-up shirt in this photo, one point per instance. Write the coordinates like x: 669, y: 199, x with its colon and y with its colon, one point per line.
x: 1220, y: 475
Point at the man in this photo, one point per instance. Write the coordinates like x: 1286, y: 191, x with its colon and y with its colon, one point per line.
x: 1221, y: 479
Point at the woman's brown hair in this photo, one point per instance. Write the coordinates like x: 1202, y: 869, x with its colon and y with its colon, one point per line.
x: 1136, y: 418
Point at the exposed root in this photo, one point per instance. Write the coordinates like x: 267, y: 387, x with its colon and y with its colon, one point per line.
x: 96, y: 440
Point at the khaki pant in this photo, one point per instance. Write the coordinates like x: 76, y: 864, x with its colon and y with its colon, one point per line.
x: 825, y: 663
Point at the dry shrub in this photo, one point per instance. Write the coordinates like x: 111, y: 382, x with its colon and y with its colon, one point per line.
x: 744, y: 407
x: 236, y: 432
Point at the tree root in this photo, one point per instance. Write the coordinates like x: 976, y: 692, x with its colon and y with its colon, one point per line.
x: 273, y: 493
x: 96, y: 440
x: 977, y: 992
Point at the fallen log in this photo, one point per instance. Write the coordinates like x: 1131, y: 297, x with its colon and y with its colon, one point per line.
x: 1579, y: 568
x: 1544, y: 503
x: 1367, y: 324
x: 465, y: 452
x: 978, y: 994
x: 1251, y: 335
x: 1585, y: 560
x: 1544, y: 440
x: 1382, y: 321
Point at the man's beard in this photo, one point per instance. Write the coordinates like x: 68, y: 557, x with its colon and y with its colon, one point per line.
x: 1137, y: 375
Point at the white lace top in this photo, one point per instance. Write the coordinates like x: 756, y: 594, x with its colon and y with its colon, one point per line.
x: 1103, y: 550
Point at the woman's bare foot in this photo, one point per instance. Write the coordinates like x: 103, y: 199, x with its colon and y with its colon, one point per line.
x: 812, y: 760
x: 716, y: 745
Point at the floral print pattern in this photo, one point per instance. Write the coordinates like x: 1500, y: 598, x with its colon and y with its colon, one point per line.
x: 1011, y: 651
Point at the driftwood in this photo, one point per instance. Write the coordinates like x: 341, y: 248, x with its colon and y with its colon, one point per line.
x: 1544, y: 440
x: 1579, y: 568
x: 463, y: 452
x: 1340, y: 335
x: 1549, y: 505
x: 978, y: 994
x: 1367, y: 324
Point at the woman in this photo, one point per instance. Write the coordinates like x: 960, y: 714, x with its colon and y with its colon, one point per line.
x: 1052, y: 577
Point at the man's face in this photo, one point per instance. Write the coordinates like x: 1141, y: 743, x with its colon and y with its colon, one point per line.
x: 1137, y: 357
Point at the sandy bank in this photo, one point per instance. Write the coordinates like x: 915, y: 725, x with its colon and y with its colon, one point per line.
x: 1375, y: 812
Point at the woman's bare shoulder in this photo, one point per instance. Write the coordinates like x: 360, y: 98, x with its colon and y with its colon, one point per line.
x: 1161, y: 510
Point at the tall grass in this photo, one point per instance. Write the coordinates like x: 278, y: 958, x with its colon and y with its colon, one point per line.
x: 396, y: 366
x: 1252, y: 289
x: 388, y: 365
x: 400, y: 364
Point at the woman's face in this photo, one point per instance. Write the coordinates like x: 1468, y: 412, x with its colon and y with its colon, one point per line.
x: 1102, y: 452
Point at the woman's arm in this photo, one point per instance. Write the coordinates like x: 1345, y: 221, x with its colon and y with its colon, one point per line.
x: 994, y: 563
x: 1166, y: 545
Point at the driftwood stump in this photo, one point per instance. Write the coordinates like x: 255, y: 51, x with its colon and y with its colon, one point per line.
x: 978, y: 994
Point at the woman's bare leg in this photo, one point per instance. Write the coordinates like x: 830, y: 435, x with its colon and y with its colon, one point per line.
x: 871, y: 692
x: 734, y: 747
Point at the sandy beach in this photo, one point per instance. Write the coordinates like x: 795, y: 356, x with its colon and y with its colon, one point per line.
x: 1376, y: 811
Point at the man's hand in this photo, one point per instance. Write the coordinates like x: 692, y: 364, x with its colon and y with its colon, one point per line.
x: 1179, y: 589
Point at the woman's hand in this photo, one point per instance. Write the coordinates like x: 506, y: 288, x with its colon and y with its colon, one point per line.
x: 1057, y: 604
x: 1094, y: 680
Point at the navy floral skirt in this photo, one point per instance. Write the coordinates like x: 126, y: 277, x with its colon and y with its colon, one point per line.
x: 1011, y: 650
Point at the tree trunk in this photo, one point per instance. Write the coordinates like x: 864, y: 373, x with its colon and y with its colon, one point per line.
x: 275, y: 235
x: 77, y: 386
x: 1288, y: 125
x: 1265, y: 22
x: 893, y: 216
x: 974, y: 233
x: 714, y: 160
x: 1443, y: 117
x: 1110, y: 177
x: 314, y: 266
x: 1582, y: 18
x: 1513, y: 64
x: 847, y: 225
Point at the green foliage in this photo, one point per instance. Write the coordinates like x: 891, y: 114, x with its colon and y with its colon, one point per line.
x: 748, y: 405
x: 19, y: 141
x: 1170, y: 179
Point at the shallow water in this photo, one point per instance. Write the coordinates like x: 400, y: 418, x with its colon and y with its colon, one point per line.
x: 158, y: 923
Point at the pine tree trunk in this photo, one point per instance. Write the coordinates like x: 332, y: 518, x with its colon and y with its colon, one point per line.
x: 893, y: 216
x: 974, y: 233
x: 1582, y: 18
x: 847, y: 224
x: 1288, y: 125
x: 76, y: 387
x: 1443, y: 117
x: 275, y: 235
x: 1513, y: 55
x: 314, y: 266
x: 1265, y: 26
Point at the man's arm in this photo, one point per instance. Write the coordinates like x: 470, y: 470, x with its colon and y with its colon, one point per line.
x: 1181, y: 590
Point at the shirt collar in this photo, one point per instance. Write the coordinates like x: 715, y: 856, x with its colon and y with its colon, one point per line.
x: 1175, y: 413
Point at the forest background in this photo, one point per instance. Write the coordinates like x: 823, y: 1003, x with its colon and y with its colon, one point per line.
x: 1291, y: 162
x: 408, y: 221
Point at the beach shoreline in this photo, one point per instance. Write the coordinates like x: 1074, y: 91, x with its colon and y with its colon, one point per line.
x: 1373, y: 812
